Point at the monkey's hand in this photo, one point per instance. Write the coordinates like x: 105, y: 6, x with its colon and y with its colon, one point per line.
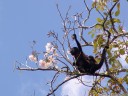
x: 74, y: 64
x: 74, y: 36
x: 107, y: 47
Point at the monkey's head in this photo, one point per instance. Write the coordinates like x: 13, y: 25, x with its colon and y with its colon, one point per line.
x: 74, y: 51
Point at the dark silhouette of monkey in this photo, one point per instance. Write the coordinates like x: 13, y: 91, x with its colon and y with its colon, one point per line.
x: 84, y: 63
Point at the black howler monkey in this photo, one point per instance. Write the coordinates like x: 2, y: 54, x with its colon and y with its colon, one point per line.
x: 84, y: 63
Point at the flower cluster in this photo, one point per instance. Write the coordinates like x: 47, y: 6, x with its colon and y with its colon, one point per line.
x: 49, y: 57
x: 46, y: 63
x: 50, y: 49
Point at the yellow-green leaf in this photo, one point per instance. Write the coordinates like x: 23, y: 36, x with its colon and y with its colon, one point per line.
x: 115, y: 0
x: 126, y: 79
x: 90, y: 32
x: 120, y: 80
x: 118, y: 6
x: 118, y: 10
x: 94, y: 5
x: 98, y: 27
x: 99, y: 20
x: 115, y: 20
x: 117, y: 13
x: 92, y: 35
x: 122, y: 52
x: 126, y: 59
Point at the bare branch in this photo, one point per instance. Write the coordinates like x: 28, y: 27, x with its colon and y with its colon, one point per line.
x: 119, y: 35
x: 61, y: 85
x: 59, y: 12
x: 89, y: 11
x: 111, y: 18
x: 36, y: 69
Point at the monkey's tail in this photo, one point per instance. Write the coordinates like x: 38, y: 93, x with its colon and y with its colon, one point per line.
x: 102, y: 58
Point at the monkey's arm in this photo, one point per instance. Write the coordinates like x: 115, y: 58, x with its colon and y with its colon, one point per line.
x: 77, y: 42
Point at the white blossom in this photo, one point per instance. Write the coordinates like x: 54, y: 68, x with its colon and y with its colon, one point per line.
x: 48, y: 47
x: 53, y: 49
x: 51, y: 59
x: 32, y: 58
x: 124, y: 31
x: 43, y: 64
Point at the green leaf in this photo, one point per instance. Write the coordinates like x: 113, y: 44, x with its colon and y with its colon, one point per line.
x: 118, y: 10
x: 126, y: 59
x: 126, y: 79
x: 94, y: 5
x: 117, y: 13
x: 100, y: 40
x: 95, y: 44
x: 99, y: 20
x: 90, y: 32
x: 92, y: 35
x: 108, y: 22
x: 98, y: 27
x: 122, y: 52
x: 120, y: 80
x: 111, y: 30
x: 115, y: 0
x: 118, y: 6
x: 127, y: 42
x: 115, y: 20
x: 109, y: 53
x: 112, y: 61
x: 115, y: 45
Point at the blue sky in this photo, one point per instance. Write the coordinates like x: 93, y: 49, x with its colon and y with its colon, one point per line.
x: 22, y: 21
